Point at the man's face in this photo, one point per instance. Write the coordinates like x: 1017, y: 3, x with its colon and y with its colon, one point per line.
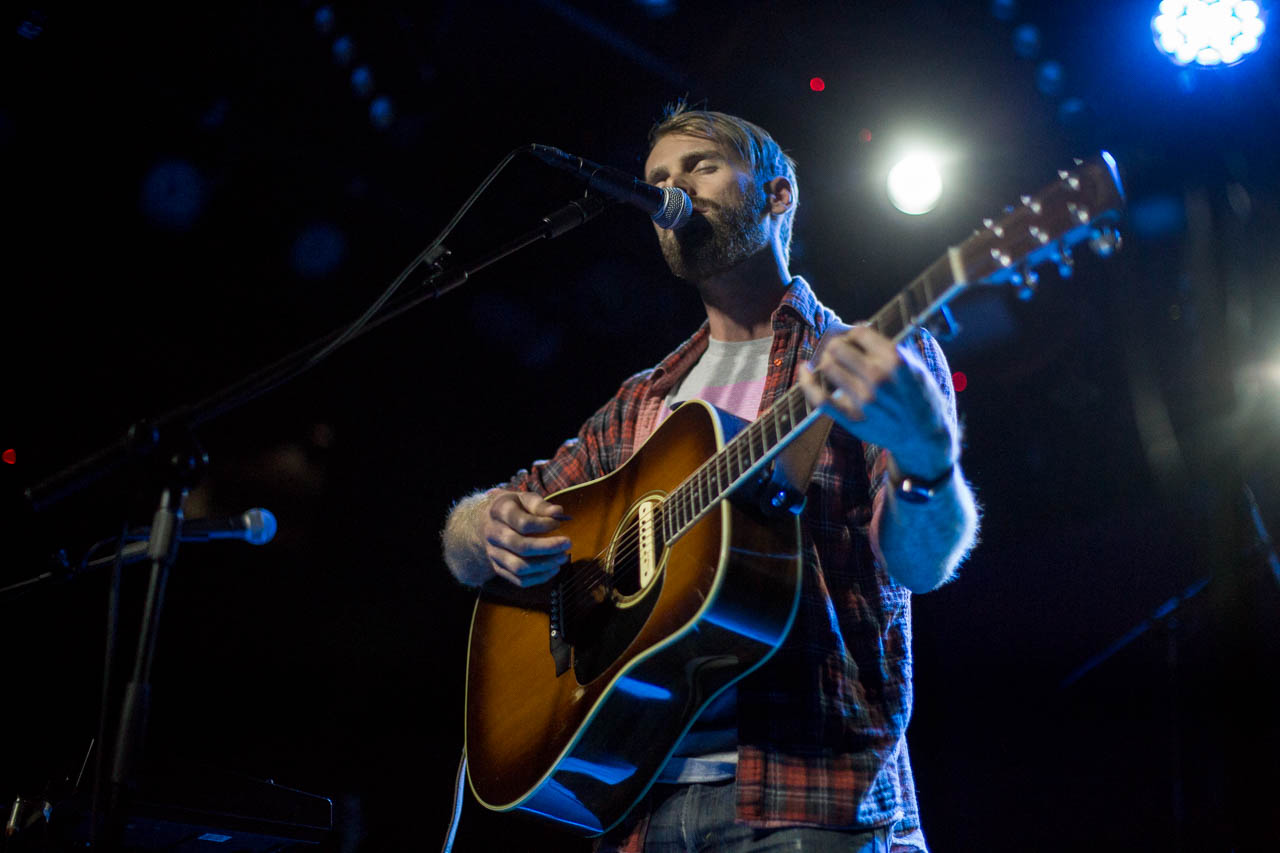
x: 729, y: 223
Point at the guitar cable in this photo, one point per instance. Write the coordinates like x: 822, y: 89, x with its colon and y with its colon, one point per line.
x: 459, y: 783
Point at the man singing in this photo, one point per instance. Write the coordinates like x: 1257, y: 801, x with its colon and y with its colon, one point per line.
x: 809, y: 751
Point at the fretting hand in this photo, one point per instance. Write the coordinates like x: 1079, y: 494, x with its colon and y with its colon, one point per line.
x: 883, y: 394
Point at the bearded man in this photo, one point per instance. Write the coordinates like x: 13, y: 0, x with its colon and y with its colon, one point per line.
x: 808, y: 751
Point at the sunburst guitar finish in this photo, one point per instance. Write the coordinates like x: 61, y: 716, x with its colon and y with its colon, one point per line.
x: 573, y: 728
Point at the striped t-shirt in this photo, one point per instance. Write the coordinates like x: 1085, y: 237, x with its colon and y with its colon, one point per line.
x: 730, y: 375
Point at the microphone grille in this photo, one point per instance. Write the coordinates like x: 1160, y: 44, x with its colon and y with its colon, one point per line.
x: 260, y: 526
x: 676, y: 208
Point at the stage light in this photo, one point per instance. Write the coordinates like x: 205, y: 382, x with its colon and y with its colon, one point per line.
x: 817, y: 84
x: 1050, y: 78
x: 1026, y: 41
x: 1004, y: 10
x: 959, y: 381
x: 915, y: 184
x: 343, y: 49
x: 381, y: 112
x: 324, y: 19
x: 1208, y: 32
x: 10, y: 457
x: 362, y: 81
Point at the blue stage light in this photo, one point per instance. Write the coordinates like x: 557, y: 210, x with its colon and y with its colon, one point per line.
x: 343, y: 50
x: 362, y: 81
x: 381, y: 112
x: 1050, y: 78
x: 1026, y: 41
x: 324, y: 19
x: 1004, y: 10
x: 1208, y: 32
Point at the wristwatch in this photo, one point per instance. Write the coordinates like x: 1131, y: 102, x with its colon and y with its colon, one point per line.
x: 918, y: 491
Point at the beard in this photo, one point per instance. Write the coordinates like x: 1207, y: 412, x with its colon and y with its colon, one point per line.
x: 720, y: 239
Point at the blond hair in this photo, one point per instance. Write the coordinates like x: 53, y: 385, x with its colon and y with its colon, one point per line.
x: 750, y: 142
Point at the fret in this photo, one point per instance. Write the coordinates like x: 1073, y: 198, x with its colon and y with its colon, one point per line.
x: 798, y: 403
x: 913, y: 302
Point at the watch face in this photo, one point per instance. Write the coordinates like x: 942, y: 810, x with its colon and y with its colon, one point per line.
x: 912, y: 493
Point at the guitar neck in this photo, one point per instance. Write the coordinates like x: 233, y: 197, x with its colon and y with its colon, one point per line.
x: 1079, y: 206
x: 751, y: 451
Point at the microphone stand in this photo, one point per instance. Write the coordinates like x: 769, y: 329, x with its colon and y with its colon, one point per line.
x: 182, y: 471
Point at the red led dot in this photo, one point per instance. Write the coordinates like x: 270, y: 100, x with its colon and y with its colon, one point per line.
x: 10, y: 456
x: 959, y: 381
x: 865, y: 135
x: 817, y: 84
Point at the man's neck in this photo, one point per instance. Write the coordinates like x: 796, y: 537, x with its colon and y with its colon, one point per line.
x: 740, y: 302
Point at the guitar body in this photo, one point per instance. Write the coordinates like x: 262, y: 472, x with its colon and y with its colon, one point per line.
x: 580, y: 744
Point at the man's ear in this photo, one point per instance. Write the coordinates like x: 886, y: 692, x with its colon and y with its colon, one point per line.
x: 778, y: 195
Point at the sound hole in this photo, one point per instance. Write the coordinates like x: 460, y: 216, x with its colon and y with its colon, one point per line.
x: 614, y: 596
x: 624, y: 562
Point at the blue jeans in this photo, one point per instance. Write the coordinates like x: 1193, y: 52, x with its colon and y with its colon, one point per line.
x: 700, y: 819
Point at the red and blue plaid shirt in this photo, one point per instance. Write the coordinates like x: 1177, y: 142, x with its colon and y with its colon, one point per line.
x: 822, y: 724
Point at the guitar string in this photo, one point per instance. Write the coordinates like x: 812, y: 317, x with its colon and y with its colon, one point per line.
x: 680, y: 502
x: 708, y: 478
x: 883, y: 321
x: 703, y: 486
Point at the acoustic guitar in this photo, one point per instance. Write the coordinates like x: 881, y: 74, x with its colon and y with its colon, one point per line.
x: 579, y: 690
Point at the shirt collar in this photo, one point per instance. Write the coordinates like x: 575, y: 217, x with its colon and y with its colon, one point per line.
x: 798, y: 304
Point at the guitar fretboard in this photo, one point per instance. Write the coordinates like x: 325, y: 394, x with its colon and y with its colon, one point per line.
x: 1041, y: 229
x: 747, y: 454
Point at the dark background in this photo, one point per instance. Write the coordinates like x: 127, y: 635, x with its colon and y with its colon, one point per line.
x: 197, y: 189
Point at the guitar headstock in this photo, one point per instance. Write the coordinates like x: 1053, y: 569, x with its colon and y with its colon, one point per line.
x: 1083, y: 205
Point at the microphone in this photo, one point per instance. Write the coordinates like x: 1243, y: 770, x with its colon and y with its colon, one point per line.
x: 256, y: 526
x: 668, y: 207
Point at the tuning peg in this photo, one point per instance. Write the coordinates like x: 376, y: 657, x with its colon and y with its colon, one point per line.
x: 1066, y: 263
x: 1024, y: 283
x: 1106, y: 241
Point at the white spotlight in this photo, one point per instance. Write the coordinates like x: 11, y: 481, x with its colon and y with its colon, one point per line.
x: 915, y: 185
x: 1208, y: 32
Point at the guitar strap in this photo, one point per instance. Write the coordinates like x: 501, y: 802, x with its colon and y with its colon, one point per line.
x: 795, y: 464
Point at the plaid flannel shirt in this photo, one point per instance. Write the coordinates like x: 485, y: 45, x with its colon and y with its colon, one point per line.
x: 822, y: 724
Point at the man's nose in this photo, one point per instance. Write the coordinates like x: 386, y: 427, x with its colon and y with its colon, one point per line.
x: 684, y: 181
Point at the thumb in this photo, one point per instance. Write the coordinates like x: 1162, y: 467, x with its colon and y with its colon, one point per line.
x: 538, y: 505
